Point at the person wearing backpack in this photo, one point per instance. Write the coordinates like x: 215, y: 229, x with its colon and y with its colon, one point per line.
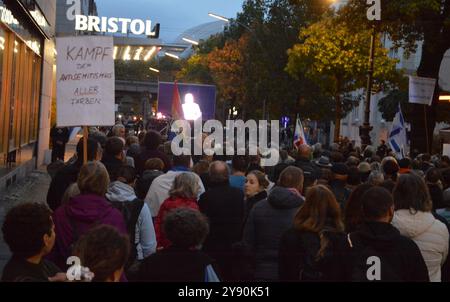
x: 379, y: 243
x: 136, y: 214
x: 183, y: 261
x: 83, y: 212
x: 315, y: 248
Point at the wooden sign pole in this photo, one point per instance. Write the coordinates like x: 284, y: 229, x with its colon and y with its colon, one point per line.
x: 426, y: 128
x: 85, y: 143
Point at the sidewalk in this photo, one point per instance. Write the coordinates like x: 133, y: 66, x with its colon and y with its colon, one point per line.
x: 32, y: 189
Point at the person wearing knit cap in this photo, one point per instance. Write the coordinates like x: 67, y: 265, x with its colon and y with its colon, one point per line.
x: 364, y: 170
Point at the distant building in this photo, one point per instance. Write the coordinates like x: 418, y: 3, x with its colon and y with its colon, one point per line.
x: 354, y: 119
x: 27, y: 59
x: 199, y: 33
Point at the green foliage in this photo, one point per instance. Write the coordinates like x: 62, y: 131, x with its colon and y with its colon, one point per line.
x: 337, y: 58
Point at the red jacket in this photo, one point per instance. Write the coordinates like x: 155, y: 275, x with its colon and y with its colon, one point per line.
x: 168, y: 205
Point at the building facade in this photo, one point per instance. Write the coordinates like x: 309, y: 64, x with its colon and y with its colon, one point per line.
x: 381, y: 128
x: 27, y: 59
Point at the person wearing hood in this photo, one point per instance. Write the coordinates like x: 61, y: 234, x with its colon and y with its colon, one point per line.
x: 414, y: 219
x: 84, y: 211
x: 315, y: 248
x: 400, y: 258
x: 224, y: 207
x: 269, y: 219
x: 122, y: 190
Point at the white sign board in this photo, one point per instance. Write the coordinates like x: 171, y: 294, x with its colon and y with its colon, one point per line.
x: 421, y: 90
x: 446, y: 150
x: 85, y: 81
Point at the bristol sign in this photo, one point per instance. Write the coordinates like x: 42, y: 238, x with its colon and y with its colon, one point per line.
x: 109, y: 25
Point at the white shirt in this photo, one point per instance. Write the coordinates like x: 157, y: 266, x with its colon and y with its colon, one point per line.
x: 159, y: 190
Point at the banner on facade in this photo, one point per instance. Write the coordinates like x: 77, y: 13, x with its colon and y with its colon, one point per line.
x: 421, y: 90
x: 446, y: 150
x: 85, y: 81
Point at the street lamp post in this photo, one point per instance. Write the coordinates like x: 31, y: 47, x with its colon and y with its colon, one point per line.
x: 364, y: 130
x: 252, y: 32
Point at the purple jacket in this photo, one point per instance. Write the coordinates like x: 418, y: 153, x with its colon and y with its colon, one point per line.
x: 83, y: 212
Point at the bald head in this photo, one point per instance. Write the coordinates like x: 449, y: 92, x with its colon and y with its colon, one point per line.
x: 218, y: 172
x: 304, y: 151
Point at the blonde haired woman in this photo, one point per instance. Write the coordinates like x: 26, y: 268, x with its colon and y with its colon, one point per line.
x: 84, y: 211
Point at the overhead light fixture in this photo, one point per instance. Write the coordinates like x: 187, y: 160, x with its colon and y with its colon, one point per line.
x: 190, y: 41
x: 126, y: 55
x: 154, y: 69
x: 172, y: 55
x: 150, y: 53
x: 444, y: 98
x: 219, y: 17
x: 137, y: 55
x: 116, y: 49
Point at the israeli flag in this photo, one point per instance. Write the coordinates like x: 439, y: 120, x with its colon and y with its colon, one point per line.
x: 397, y: 137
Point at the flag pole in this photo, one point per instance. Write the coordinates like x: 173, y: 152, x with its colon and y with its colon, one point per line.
x: 426, y: 128
x: 85, y: 142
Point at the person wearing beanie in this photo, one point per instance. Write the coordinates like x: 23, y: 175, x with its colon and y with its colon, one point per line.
x: 364, y: 171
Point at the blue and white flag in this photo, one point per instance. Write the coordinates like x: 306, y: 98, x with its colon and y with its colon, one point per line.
x: 397, y: 137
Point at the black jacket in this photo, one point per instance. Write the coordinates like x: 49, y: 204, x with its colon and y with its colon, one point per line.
x: 224, y: 207
x: 59, y: 135
x: 437, y: 196
x: 19, y: 270
x: 400, y: 258
x: 340, y: 191
x: 252, y: 201
x: 297, y: 257
x: 145, y: 181
x: 112, y: 164
x: 62, y: 180
x: 267, y: 222
x: 175, y: 265
x: 310, y: 171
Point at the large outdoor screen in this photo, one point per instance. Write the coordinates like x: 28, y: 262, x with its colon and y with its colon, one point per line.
x: 196, y: 100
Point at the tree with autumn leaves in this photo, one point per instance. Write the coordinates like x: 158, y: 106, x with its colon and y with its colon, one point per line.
x: 337, y: 60
x: 316, y: 59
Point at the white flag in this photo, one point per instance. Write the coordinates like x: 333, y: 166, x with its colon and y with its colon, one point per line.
x: 299, y: 135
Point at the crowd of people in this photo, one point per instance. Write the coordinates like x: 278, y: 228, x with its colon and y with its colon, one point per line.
x: 136, y: 212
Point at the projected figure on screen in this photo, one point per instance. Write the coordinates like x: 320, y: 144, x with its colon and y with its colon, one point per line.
x: 191, y: 110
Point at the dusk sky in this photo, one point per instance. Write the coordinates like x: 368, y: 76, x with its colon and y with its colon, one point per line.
x: 175, y: 16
